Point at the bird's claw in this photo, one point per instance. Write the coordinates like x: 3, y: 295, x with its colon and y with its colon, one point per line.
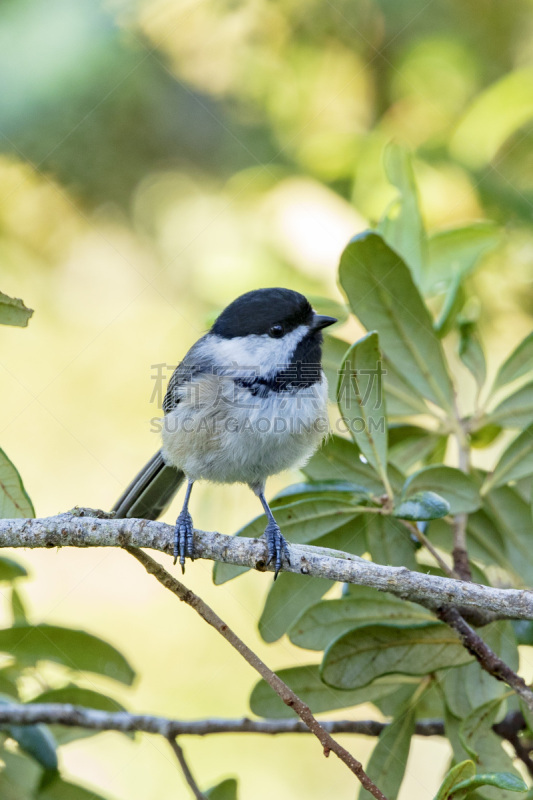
x: 183, y: 539
x: 276, y: 547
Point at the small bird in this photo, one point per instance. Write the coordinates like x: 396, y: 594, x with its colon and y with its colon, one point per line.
x: 248, y: 401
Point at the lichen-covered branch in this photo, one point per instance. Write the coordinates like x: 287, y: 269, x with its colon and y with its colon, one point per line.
x: 124, y: 722
x: 76, y: 530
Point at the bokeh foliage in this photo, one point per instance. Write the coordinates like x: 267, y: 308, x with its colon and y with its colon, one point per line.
x: 240, y: 144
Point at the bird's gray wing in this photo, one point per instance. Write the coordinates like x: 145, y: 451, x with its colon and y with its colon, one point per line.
x: 151, y: 491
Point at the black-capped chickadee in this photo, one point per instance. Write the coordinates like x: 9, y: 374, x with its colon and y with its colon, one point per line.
x: 247, y: 401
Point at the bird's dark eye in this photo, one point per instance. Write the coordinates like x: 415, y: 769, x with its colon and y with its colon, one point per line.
x: 276, y: 331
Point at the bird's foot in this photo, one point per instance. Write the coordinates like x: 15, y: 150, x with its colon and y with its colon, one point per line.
x: 183, y: 539
x: 276, y: 546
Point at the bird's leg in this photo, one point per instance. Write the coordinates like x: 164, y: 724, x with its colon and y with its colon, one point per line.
x: 276, y: 544
x: 184, y: 532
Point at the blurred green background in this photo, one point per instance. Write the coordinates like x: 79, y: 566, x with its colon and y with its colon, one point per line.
x: 158, y: 158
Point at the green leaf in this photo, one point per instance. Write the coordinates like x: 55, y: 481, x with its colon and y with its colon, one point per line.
x: 389, y: 758
x: 454, y: 300
x: 471, y: 353
x: 361, y: 401
x: 390, y: 542
x: 400, y: 398
x: 17, y: 609
x: 494, y: 115
x: 321, y: 490
x: 340, y: 459
x: 476, y: 725
x: 469, y: 687
x: 460, y: 491
x: 422, y: 506
x: 77, y: 696
x: 20, y: 776
x: 333, y: 353
x: 454, y: 254
x: 74, y: 649
x: 410, y: 445
x: 287, y: 598
x: 58, y: 789
x: 519, y: 363
x: 383, y: 295
x: 485, y: 436
x: 515, y: 462
x: 14, y: 501
x: 356, y: 658
x: 459, y: 773
x: 10, y: 569
x: 503, y: 780
x: 306, y: 682
x: 512, y: 516
x: 326, y: 621
x: 515, y: 411
x: 13, y: 311
x: 35, y: 740
x: 226, y: 790
x: 402, y: 226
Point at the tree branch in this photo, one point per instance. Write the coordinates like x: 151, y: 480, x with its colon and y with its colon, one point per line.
x: 488, y: 659
x: 124, y: 722
x: 280, y: 687
x: 187, y: 774
x: 431, y: 591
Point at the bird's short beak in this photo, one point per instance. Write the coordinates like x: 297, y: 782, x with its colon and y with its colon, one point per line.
x: 318, y: 322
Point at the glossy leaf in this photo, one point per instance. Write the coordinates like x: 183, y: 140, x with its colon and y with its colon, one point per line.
x: 402, y: 226
x: 460, y: 491
x: 502, y: 780
x: 340, y: 460
x: 13, y: 311
x: 74, y: 649
x: 459, y: 773
x: 287, y: 598
x: 14, y: 500
x: 306, y: 682
x: 389, y: 758
x: 401, y: 399
x: 410, y: 445
x: 516, y: 462
x: 362, y: 403
x: 476, y: 725
x: 384, y: 297
x: 471, y: 353
x: 390, y: 542
x: 356, y: 658
x: 226, y: 790
x: 515, y: 411
x: 512, y: 516
x: 517, y: 364
x: 422, y: 506
x: 323, y: 622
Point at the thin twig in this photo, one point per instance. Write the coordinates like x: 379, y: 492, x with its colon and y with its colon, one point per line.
x: 124, y: 722
x: 282, y: 690
x: 422, y: 538
x: 187, y: 774
x: 429, y: 590
x: 488, y: 659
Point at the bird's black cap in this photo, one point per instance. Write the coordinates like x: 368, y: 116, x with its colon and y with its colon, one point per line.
x: 257, y: 311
